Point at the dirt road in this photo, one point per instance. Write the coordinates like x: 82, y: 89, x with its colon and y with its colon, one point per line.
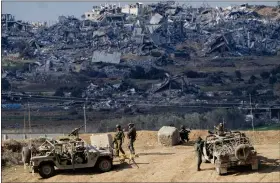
x: 168, y: 164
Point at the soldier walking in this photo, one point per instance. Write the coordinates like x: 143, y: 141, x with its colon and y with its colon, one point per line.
x: 131, y: 135
x: 118, y: 140
x: 198, y: 148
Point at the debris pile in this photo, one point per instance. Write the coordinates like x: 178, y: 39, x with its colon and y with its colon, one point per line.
x: 234, y: 31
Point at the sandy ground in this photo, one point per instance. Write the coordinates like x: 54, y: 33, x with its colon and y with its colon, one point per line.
x: 169, y: 164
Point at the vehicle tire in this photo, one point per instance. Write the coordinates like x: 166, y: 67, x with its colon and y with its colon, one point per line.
x: 242, y: 151
x: 104, y: 164
x: 46, y: 170
x: 26, y: 155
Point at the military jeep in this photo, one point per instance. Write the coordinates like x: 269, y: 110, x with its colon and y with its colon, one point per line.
x: 229, y: 150
x: 67, y: 153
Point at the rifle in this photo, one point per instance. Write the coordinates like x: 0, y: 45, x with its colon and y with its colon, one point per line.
x: 75, y: 131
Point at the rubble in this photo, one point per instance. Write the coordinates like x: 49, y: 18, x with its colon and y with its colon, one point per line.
x: 135, y: 42
x: 234, y: 31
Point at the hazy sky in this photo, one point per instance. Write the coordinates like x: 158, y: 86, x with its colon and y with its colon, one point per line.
x: 49, y: 11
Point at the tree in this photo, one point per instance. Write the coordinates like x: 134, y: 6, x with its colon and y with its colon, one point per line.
x: 252, y: 79
x: 265, y: 75
x: 59, y: 92
x: 5, y: 84
x: 77, y: 92
x: 238, y: 74
x: 236, y: 91
x: 276, y: 89
x: 272, y: 80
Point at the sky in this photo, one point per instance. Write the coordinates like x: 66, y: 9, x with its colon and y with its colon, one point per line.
x: 34, y: 10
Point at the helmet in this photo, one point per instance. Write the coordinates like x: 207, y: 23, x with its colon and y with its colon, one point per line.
x: 130, y: 124
x: 199, y: 139
x: 182, y: 127
x: 118, y: 126
x: 221, y: 124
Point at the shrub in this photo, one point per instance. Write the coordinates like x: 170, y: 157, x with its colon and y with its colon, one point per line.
x: 59, y: 92
x: 5, y: 84
x: 265, y: 75
x: 238, y: 74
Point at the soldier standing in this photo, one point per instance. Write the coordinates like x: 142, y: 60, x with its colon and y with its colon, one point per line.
x: 198, y: 149
x: 219, y: 129
x: 131, y: 134
x: 118, y: 140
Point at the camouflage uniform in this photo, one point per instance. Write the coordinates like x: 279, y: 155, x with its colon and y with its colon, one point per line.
x: 132, y: 137
x: 118, y: 140
x: 184, y: 134
x: 198, y: 150
x: 220, y: 129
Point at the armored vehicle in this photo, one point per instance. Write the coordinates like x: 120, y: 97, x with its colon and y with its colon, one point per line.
x: 69, y: 152
x: 228, y: 150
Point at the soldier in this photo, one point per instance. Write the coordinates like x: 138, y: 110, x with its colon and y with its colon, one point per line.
x: 184, y: 134
x: 118, y: 140
x: 131, y: 135
x: 198, y: 149
x: 219, y: 129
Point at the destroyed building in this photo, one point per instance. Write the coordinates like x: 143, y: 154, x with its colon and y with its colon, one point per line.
x: 134, y: 40
x: 231, y: 31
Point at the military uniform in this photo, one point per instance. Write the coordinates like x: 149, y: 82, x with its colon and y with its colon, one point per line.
x: 220, y: 129
x: 118, y: 140
x: 198, y: 150
x: 132, y: 137
x: 184, y: 134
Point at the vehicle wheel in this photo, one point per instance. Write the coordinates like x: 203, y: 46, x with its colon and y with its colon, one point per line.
x: 104, y: 164
x: 26, y: 155
x: 242, y: 151
x: 46, y: 170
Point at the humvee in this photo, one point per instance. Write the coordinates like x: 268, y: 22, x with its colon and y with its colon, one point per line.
x: 70, y: 152
x: 228, y: 150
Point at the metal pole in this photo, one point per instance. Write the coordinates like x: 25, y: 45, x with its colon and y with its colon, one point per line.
x: 252, y: 113
x: 29, y: 118
x: 24, y: 130
x: 85, y: 119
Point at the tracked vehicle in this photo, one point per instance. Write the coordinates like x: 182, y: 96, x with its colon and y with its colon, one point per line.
x: 69, y: 152
x: 229, y: 150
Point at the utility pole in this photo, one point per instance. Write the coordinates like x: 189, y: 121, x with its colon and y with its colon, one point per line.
x: 29, y: 118
x: 85, y: 119
x: 24, y: 130
x: 252, y: 113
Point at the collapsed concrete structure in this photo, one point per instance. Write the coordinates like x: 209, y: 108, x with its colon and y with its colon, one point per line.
x: 231, y: 31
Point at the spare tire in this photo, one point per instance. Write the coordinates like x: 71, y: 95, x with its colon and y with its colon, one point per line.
x: 242, y: 151
x: 26, y: 154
